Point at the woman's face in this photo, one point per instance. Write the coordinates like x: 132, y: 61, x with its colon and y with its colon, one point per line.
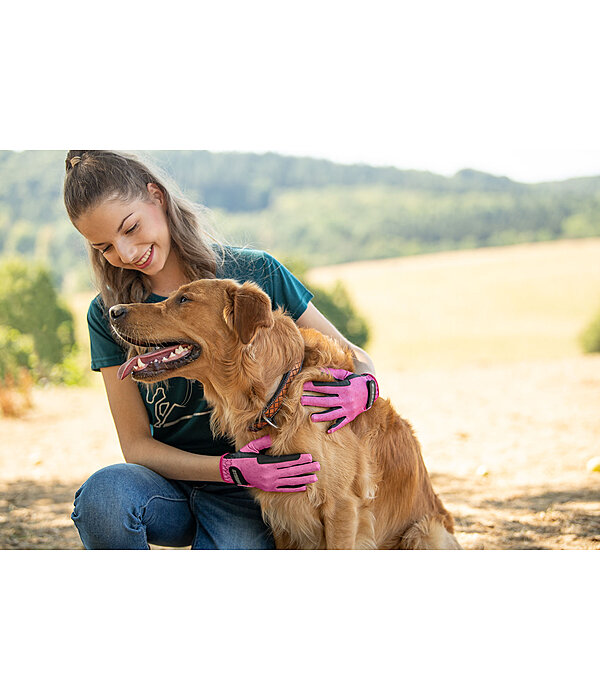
x: 134, y: 235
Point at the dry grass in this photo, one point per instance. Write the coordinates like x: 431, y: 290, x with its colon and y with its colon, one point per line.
x: 15, y: 394
x: 475, y: 307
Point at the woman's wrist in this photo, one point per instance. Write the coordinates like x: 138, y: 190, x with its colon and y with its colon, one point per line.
x: 210, y: 468
x: 193, y: 467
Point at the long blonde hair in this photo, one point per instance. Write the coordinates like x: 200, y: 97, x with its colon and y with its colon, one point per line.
x: 92, y: 177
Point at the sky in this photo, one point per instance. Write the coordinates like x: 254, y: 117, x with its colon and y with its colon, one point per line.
x: 506, y: 87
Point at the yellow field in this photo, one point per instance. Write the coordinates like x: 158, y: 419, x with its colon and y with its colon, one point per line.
x: 483, y: 306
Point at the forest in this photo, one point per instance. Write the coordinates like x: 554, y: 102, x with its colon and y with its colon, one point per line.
x: 307, y: 209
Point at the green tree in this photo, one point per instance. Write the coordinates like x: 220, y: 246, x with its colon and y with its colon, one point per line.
x: 16, y: 352
x: 29, y: 305
x: 335, y: 304
x: 324, y: 212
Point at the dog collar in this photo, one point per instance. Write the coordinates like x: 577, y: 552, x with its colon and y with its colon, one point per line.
x: 274, y: 403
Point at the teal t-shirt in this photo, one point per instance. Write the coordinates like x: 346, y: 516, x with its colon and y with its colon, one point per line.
x: 177, y: 411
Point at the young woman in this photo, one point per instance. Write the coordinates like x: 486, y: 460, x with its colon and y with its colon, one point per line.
x: 175, y: 489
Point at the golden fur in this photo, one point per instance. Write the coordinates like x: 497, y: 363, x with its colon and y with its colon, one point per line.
x: 373, y: 490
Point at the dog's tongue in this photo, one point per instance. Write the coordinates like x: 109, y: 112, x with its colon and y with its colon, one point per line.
x: 127, y: 367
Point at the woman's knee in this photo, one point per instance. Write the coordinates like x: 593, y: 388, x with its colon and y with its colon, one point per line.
x: 108, y: 489
x: 126, y: 505
x: 108, y: 500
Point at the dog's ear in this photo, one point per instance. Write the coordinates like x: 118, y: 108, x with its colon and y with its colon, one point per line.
x: 247, y: 310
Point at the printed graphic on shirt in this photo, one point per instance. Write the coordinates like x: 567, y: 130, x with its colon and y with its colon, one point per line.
x: 165, y: 409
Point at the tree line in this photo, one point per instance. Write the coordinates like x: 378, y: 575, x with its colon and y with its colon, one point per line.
x: 307, y: 208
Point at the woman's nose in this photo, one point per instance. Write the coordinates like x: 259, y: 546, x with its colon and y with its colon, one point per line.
x: 127, y: 252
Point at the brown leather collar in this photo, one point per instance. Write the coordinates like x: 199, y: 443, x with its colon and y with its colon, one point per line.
x: 274, y: 403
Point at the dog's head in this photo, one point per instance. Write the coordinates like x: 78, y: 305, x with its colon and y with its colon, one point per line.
x: 200, y: 325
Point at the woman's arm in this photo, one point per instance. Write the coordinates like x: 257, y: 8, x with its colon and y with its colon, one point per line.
x: 313, y: 318
x: 244, y: 467
x: 137, y: 443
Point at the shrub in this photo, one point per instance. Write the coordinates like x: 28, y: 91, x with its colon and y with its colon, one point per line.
x: 17, y: 360
x: 16, y: 351
x: 37, y: 327
x: 335, y: 304
x: 590, y: 337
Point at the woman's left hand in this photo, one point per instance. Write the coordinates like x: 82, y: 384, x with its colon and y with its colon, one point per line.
x: 347, y: 397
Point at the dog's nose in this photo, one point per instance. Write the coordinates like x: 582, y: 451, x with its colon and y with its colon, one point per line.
x: 117, y: 311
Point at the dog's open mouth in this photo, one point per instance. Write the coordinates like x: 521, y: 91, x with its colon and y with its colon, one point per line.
x: 162, y: 359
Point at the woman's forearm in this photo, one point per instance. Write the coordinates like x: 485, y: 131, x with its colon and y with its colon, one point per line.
x: 171, y: 462
x: 362, y: 361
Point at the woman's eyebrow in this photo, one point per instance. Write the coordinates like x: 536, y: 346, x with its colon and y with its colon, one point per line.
x: 99, y: 245
x: 124, y: 220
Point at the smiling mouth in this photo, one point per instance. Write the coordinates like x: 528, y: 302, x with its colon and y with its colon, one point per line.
x: 145, y: 260
x: 162, y: 359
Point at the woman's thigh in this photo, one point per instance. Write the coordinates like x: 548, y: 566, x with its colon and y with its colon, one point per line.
x: 127, y: 506
x: 228, y: 517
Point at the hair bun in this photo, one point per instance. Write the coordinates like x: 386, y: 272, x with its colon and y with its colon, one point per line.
x: 73, y: 157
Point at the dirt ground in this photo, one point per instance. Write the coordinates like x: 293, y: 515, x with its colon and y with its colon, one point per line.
x: 506, y: 446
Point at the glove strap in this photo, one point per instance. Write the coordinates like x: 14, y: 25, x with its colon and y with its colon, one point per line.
x: 373, y: 390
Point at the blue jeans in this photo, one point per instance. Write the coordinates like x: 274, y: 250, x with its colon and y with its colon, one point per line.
x: 127, y: 506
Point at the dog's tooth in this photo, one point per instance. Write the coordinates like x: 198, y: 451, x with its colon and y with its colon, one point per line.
x: 140, y: 364
x: 172, y: 356
x: 179, y: 350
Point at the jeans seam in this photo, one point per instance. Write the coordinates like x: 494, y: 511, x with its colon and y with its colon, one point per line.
x: 165, y: 498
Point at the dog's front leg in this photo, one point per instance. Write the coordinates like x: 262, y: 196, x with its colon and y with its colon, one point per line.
x: 340, y: 522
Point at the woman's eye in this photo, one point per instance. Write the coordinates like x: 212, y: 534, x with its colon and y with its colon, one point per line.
x: 105, y: 250
x: 133, y: 228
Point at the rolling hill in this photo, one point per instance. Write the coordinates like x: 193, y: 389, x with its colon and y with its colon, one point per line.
x: 319, y: 211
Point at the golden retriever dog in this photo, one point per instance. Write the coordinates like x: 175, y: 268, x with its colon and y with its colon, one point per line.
x: 373, y: 490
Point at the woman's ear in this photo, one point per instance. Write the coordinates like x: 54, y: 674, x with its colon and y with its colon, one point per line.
x: 156, y: 194
x: 248, y: 309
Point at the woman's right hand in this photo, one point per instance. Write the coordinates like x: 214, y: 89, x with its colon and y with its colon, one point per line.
x: 281, y: 474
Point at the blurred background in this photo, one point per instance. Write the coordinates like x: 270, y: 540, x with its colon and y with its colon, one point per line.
x: 431, y: 171
x: 425, y: 270
x: 477, y: 296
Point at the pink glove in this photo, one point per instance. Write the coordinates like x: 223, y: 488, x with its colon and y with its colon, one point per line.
x: 283, y: 473
x: 346, y: 398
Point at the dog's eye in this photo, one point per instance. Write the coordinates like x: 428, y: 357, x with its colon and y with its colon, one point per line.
x: 182, y: 299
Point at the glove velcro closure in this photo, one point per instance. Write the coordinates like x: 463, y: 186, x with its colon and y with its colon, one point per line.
x: 373, y: 392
